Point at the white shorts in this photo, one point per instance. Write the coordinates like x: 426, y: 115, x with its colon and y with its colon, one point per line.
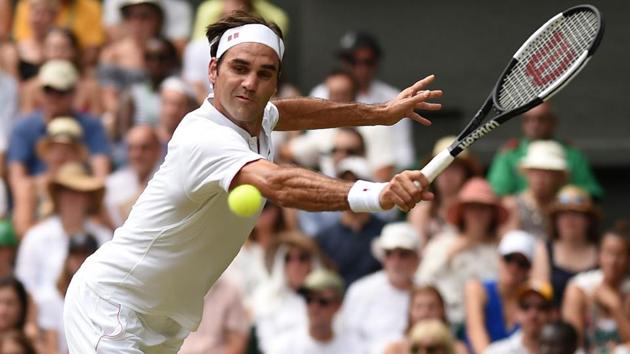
x: 97, y: 325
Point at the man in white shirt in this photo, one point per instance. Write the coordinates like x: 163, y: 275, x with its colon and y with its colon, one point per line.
x: 323, y: 293
x: 143, y: 291
x: 376, y: 307
x: 534, y: 311
x: 144, y: 152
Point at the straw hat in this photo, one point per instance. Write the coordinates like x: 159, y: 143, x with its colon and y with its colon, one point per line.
x: 476, y: 190
x: 574, y: 198
x: 62, y: 130
x: 74, y: 176
x: 544, y: 155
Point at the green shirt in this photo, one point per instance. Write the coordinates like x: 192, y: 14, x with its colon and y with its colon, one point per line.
x: 505, y: 178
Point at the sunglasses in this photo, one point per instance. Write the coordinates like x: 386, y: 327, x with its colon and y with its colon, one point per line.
x: 362, y: 61
x: 539, y: 306
x: 301, y: 257
x: 426, y: 349
x: 401, y: 253
x: 347, y: 151
x: 55, y: 92
x: 519, y: 261
x: 319, y: 300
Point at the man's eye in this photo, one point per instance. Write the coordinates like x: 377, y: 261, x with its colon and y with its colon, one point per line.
x: 240, y: 69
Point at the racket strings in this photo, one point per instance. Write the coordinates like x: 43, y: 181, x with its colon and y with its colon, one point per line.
x: 547, y: 58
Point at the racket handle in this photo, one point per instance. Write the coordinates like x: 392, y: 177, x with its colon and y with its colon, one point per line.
x: 437, y: 165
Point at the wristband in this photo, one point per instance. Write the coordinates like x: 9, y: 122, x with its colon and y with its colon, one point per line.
x: 364, y: 196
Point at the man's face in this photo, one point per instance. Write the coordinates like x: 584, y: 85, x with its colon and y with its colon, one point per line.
x: 364, y: 65
x: 340, y: 88
x: 539, y: 123
x: 143, y: 150
x: 533, y: 313
x: 142, y: 20
x: 346, y: 144
x: 244, y: 82
x: 322, y: 307
x: 57, y: 102
x: 400, y: 265
x: 613, y: 257
x: 544, y: 183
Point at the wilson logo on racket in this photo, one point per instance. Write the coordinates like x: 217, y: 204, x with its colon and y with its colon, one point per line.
x: 551, y: 60
x: 478, y: 133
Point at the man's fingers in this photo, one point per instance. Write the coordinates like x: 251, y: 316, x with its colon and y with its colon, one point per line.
x: 420, y: 84
x: 420, y: 119
x: 427, y: 106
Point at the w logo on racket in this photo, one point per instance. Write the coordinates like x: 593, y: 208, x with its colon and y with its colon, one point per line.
x: 551, y: 60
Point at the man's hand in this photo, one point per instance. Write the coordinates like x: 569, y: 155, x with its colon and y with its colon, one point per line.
x: 403, y: 192
x: 412, y: 98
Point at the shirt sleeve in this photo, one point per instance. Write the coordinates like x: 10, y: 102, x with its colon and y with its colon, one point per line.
x: 95, y: 136
x: 19, y: 144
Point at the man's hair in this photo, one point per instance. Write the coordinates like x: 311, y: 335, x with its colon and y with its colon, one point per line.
x: 235, y: 19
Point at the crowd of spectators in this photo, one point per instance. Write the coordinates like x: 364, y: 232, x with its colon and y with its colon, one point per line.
x: 508, y: 258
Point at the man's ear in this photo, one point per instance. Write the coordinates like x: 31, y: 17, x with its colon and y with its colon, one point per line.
x: 213, y: 70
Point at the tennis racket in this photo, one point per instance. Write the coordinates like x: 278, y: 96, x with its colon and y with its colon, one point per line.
x: 547, y: 61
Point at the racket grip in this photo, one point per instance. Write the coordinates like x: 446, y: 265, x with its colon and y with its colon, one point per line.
x: 437, y: 165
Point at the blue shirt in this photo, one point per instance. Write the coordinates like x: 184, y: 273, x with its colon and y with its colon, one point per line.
x: 351, y: 252
x: 28, y: 131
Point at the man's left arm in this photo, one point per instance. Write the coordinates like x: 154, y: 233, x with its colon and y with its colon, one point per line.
x: 308, y: 113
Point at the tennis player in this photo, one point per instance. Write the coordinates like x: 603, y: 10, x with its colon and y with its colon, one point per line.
x: 143, y: 291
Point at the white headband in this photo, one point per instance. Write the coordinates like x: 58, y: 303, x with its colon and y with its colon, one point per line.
x: 255, y: 33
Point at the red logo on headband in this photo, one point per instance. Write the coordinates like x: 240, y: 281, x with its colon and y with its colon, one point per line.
x: 232, y: 36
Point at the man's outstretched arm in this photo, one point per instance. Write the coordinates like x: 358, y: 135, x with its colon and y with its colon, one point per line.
x: 308, y: 113
x: 300, y: 188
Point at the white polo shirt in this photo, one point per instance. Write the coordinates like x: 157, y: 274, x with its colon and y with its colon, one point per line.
x: 180, y: 235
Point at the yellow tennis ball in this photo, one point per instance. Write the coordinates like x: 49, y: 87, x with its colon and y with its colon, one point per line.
x: 244, y: 200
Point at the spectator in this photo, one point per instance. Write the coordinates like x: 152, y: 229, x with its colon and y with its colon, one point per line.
x: 23, y: 59
x: 142, y: 105
x: 558, y: 337
x: 9, y: 96
x: 533, y: 312
x: 177, y: 21
x: 429, y: 218
x: 451, y: 259
x: 596, y: 302
x: 491, y: 304
x: 323, y: 294
x: 572, y: 247
x: 58, y: 79
x: 426, y: 304
x: 76, y: 196
x: 209, y: 11
x: 224, y: 326
x: 539, y: 123
x: 62, y: 44
x: 278, y: 309
x: 15, y: 305
x: 252, y: 266
x: 176, y: 99
x: 8, y: 248
x: 360, y: 53
x: 125, y: 185
x: 16, y: 342
x: 63, y: 143
x: 376, y: 306
x: 545, y: 169
x: 83, y: 17
x: 431, y: 336
x: 6, y: 19
x: 348, y: 241
x: 51, y: 299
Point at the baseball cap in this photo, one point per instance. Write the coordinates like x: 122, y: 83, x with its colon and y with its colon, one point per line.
x: 358, y: 166
x: 542, y: 288
x: 396, y: 235
x: 323, y: 279
x: 58, y: 74
x: 518, y: 241
x: 545, y: 155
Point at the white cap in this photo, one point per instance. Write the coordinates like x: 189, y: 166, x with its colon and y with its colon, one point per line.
x: 174, y: 83
x: 359, y: 166
x: 545, y: 155
x: 518, y: 241
x: 58, y: 74
x: 396, y: 235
